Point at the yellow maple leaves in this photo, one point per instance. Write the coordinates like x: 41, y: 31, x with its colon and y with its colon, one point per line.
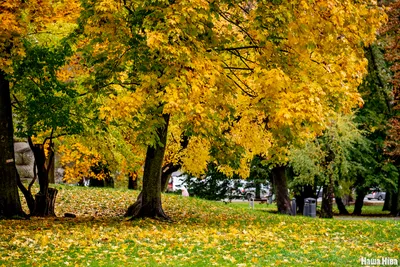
x: 261, y: 76
x: 77, y: 161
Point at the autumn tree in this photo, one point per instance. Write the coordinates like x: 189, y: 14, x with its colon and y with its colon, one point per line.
x: 48, y: 107
x: 24, y: 22
x: 11, y: 29
x: 236, y: 78
x: 392, y: 55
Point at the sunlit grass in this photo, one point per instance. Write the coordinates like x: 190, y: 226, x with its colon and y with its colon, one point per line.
x: 204, y: 233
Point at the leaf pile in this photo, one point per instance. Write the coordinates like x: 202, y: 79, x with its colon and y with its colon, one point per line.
x: 203, y: 233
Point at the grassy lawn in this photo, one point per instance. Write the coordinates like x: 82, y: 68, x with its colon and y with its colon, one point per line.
x: 367, y: 211
x: 203, y: 233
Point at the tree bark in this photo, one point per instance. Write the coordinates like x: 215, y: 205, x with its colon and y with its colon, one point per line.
x: 358, y: 205
x: 148, y: 203
x: 10, y: 204
x: 396, y: 210
x: 132, y: 181
x: 281, y: 189
x: 51, y: 167
x: 30, y: 201
x: 306, y: 191
x: 46, y: 197
x: 167, y: 170
x: 341, y: 206
x: 387, y: 205
x: 327, y: 195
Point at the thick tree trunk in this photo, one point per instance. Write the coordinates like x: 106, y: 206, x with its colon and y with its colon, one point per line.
x: 358, y: 205
x: 281, y: 189
x: 341, y: 206
x: 10, y: 205
x: 45, y: 203
x: 327, y: 195
x: 148, y: 203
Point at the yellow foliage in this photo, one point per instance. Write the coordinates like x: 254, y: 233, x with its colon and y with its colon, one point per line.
x: 261, y: 76
x: 196, y: 156
x: 77, y: 161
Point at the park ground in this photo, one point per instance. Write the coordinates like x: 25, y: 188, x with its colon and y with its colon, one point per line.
x: 203, y: 233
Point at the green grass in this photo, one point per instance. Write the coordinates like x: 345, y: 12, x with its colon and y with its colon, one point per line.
x: 367, y: 211
x: 204, y: 233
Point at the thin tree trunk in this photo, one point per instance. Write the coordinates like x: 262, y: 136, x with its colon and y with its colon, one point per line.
x: 387, y: 205
x: 10, y: 205
x: 30, y: 201
x: 51, y: 167
x: 341, y: 206
x: 258, y: 191
x: 339, y: 201
x: 132, y: 181
x: 148, y: 203
x: 397, y: 210
x: 45, y: 198
x: 281, y: 189
x: 167, y: 170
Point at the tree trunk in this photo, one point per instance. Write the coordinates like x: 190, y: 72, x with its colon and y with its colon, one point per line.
x: 165, y: 181
x: 281, y: 189
x: 358, y: 205
x: 306, y: 191
x: 395, y: 204
x: 167, y: 170
x: 30, y: 201
x: 148, y: 203
x: 46, y: 197
x: 132, y: 181
x: 51, y: 167
x: 341, y: 206
x: 258, y: 190
x: 45, y: 204
x: 387, y: 205
x: 10, y: 205
x: 327, y: 195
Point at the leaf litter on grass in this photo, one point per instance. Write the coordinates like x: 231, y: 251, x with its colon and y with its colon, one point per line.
x: 203, y: 233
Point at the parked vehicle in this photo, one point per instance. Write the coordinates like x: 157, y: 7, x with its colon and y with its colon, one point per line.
x: 249, y: 192
x: 376, y: 194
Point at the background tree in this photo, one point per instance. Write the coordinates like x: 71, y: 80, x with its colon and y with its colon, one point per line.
x: 392, y: 55
x: 327, y: 159
x: 372, y: 119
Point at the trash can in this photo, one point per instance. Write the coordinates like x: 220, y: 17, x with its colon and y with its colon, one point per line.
x: 310, y: 207
x: 294, y: 207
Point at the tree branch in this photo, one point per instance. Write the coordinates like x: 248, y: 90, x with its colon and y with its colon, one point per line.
x: 234, y: 48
